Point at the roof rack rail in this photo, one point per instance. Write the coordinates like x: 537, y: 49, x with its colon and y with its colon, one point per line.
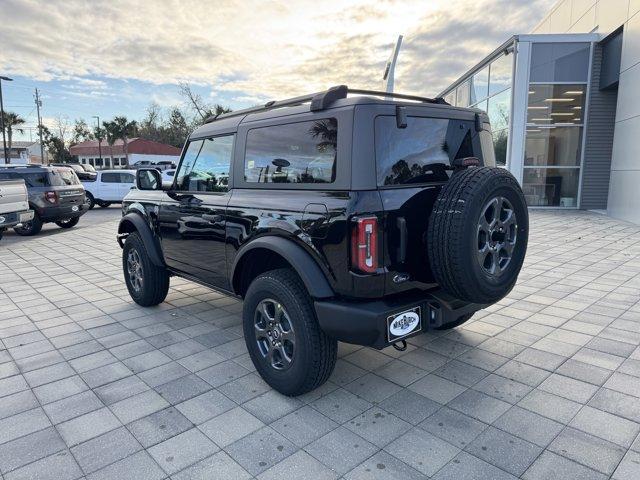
x: 321, y: 100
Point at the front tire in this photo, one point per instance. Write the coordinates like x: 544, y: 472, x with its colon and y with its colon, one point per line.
x: 147, y: 283
x: 287, y: 347
x: 30, y: 228
x: 68, y: 223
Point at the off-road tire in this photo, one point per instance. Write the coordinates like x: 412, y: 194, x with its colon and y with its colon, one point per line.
x: 455, y: 323
x: 69, y: 223
x: 30, y: 228
x: 315, y: 353
x: 155, y: 280
x: 90, y: 200
x: 452, y: 236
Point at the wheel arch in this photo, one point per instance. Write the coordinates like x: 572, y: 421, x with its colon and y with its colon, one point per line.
x: 133, y: 222
x: 270, y: 252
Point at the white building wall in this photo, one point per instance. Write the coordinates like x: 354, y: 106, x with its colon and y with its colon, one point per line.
x: 605, y: 16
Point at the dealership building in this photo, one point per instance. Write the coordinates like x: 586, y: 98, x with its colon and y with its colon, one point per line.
x: 564, y: 103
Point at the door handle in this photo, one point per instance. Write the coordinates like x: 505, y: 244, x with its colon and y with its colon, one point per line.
x: 213, y: 218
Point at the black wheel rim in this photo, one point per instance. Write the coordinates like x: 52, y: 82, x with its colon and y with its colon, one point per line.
x: 134, y: 270
x: 497, y: 235
x: 274, y: 334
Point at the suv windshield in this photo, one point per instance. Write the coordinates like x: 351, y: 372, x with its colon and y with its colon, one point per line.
x: 88, y: 168
x: 60, y: 177
x: 422, y: 151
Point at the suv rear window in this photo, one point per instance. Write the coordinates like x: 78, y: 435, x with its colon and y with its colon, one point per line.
x: 60, y: 177
x: 420, y: 152
x: 302, y: 152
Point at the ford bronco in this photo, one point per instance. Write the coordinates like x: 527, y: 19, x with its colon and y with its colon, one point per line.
x: 346, y: 215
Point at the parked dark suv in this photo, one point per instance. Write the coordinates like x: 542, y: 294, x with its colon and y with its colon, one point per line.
x: 365, y: 219
x: 55, y: 195
x: 81, y: 172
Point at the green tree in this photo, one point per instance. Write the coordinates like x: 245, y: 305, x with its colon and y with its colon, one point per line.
x: 111, y: 135
x: 81, y: 132
x: 12, y: 122
x: 55, y: 146
x: 125, y: 129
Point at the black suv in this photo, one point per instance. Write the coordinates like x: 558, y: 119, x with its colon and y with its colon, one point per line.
x: 365, y: 219
x: 55, y: 195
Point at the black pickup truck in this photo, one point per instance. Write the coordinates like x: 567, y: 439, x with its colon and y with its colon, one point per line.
x: 346, y: 215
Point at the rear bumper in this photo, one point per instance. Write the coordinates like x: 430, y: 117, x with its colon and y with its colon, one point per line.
x: 367, y: 323
x: 55, y: 213
x: 15, y: 218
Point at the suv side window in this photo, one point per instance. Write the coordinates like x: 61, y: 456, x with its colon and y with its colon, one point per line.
x: 111, y: 177
x: 127, y: 178
x: 34, y: 179
x: 206, y: 164
x: 302, y: 152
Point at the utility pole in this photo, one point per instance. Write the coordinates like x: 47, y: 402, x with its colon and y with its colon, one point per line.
x: 99, y: 138
x: 4, y: 140
x: 38, y: 105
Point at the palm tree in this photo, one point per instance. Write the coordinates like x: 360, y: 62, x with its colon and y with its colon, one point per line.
x: 125, y: 129
x: 110, y: 130
x: 11, y: 121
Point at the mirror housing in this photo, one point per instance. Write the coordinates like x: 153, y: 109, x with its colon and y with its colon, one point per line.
x: 148, y: 179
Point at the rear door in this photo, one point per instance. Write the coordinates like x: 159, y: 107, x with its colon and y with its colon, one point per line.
x: 412, y: 165
x: 109, y: 188
x: 192, y: 217
x: 127, y: 180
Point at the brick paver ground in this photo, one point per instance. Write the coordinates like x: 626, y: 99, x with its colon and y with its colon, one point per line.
x: 545, y: 384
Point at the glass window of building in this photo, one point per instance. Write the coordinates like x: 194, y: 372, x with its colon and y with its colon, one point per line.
x: 559, y: 62
x: 480, y: 85
x: 556, y: 104
x: 500, y: 73
x: 463, y: 95
x: 547, y: 187
x: 499, y: 110
x: 553, y: 146
x: 555, y: 120
x: 450, y: 97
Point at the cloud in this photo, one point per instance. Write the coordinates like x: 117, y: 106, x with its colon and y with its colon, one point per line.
x: 255, y: 49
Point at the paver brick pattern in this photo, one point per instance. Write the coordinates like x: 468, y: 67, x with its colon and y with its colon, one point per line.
x: 545, y: 384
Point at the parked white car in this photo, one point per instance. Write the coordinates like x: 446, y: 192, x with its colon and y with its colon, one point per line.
x: 14, y: 204
x: 110, y: 186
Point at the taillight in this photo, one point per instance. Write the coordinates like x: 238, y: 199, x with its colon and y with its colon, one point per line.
x: 364, y: 244
x: 51, y: 197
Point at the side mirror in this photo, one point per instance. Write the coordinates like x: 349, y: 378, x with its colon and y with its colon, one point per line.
x: 148, y: 179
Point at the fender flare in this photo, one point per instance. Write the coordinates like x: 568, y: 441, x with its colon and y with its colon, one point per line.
x: 302, y: 262
x: 150, y: 241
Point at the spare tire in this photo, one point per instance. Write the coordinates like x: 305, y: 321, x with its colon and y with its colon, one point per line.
x: 477, y: 235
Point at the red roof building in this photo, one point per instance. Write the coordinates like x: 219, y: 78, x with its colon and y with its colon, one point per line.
x: 139, y: 149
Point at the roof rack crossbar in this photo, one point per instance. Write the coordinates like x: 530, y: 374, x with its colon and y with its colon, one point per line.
x: 321, y: 100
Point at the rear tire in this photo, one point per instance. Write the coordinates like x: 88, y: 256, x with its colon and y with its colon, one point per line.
x: 147, y: 283
x: 279, y: 297
x: 30, y: 228
x: 478, y: 233
x: 68, y: 223
x: 90, y: 200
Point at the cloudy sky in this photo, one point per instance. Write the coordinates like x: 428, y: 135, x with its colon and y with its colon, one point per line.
x: 115, y: 57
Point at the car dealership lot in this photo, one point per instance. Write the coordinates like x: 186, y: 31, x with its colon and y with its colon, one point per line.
x: 545, y: 384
